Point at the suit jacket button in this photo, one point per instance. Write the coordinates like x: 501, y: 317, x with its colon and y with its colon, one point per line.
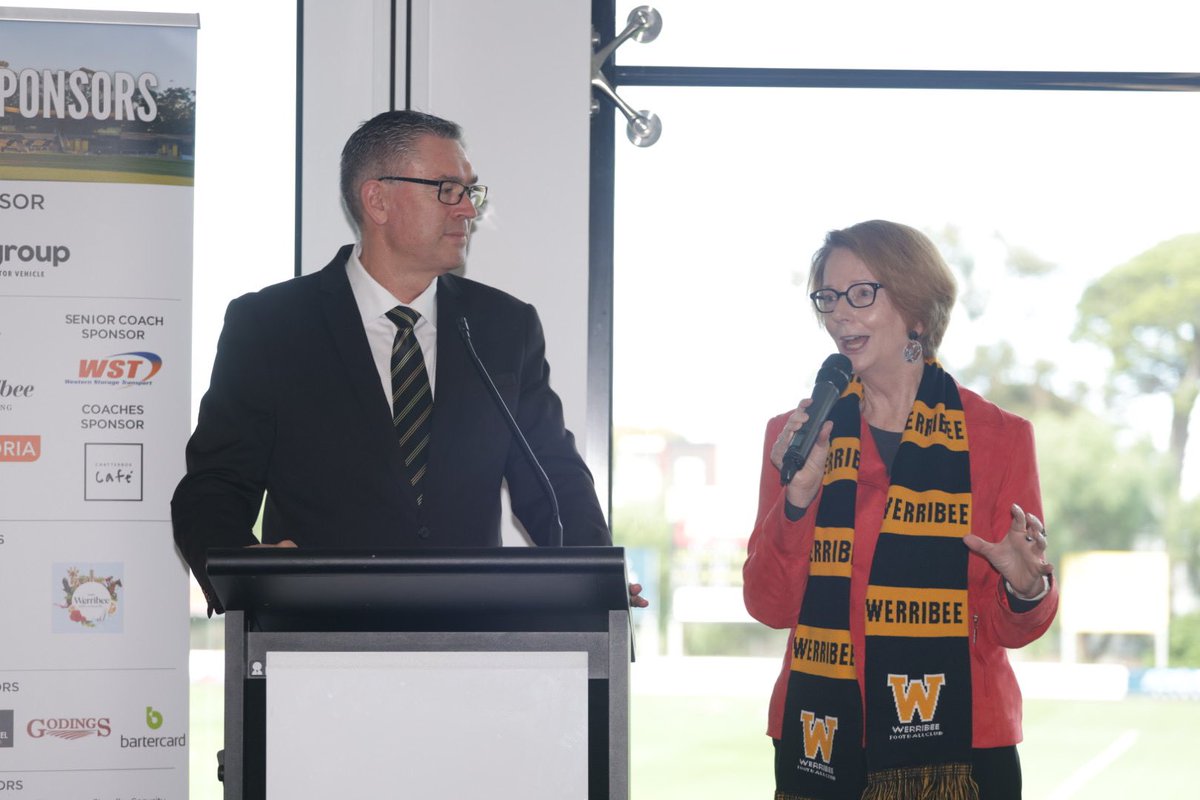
x: 424, y: 533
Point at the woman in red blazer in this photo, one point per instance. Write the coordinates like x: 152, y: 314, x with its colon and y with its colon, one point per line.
x: 905, y: 555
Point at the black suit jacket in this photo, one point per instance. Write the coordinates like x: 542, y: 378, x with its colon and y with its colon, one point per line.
x: 295, y: 409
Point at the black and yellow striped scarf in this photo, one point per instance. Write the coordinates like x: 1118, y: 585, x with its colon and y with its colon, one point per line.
x: 917, y: 669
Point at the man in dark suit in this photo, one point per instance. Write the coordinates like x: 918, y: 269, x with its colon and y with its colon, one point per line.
x: 301, y: 400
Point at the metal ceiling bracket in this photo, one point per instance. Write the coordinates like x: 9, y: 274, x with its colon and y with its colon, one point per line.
x: 643, y: 25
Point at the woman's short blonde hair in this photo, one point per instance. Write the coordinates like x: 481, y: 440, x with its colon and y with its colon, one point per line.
x: 919, y: 284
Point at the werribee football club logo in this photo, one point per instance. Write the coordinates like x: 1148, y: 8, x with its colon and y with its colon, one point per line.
x: 90, y: 601
x: 818, y: 735
x: 916, y: 696
x: 916, y: 705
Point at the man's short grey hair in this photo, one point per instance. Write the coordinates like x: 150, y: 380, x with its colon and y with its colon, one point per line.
x: 383, y: 141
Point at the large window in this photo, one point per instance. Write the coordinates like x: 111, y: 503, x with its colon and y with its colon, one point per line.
x: 1034, y: 197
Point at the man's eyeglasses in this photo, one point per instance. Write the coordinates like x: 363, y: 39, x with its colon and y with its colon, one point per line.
x: 858, y: 295
x: 449, y: 192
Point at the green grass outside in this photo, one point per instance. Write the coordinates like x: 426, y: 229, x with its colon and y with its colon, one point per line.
x: 713, y: 748
x: 1061, y: 737
x: 205, y: 739
x: 95, y: 169
x: 710, y: 748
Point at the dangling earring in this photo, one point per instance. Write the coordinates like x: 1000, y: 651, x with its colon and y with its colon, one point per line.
x: 913, y: 350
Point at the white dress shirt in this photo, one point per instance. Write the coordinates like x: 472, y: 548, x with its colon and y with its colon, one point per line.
x: 373, y: 304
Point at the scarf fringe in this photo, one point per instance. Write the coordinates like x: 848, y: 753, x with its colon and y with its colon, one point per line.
x: 929, y: 782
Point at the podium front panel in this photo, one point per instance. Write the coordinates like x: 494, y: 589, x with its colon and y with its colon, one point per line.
x: 438, y: 724
x: 480, y: 604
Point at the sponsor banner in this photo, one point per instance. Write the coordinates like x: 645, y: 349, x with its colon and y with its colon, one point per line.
x: 127, y: 729
x: 72, y: 379
x: 97, y: 143
x: 81, y: 596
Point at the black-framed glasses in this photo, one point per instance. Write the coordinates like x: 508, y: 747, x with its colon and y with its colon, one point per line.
x: 858, y: 295
x: 449, y: 192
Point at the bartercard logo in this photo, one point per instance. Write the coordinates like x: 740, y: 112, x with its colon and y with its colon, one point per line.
x: 154, y: 719
x: 17, y: 447
x: 119, y: 369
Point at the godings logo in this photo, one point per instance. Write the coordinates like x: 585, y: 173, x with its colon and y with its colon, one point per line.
x: 818, y: 735
x: 916, y: 695
x: 69, y: 728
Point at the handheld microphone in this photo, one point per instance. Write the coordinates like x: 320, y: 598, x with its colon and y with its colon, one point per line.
x: 556, y: 532
x: 832, y: 379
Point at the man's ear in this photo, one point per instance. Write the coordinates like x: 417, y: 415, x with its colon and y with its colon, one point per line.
x: 372, y: 195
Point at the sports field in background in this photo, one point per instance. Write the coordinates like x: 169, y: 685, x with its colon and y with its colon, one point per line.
x: 708, y: 748
x: 96, y: 169
x: 712, y: 746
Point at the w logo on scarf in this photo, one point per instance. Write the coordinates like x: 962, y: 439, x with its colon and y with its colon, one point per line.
x: 818, y: 735
x: 916, y: 696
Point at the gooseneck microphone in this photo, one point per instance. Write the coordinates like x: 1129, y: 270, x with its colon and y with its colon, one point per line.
x: 556, y: 533
x: 832, y: 380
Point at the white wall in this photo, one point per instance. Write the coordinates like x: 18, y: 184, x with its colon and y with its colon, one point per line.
x: 516, y: 76
x: 345, y: 81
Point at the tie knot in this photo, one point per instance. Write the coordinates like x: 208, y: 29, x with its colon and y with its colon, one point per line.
x: 403, y: 317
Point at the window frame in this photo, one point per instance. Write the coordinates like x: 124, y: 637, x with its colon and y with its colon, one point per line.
x: 603, y: 168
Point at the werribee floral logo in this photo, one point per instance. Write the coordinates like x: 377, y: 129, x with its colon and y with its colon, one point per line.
x: 89, y: 598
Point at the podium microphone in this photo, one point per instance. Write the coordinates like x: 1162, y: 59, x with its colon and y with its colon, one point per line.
x: 832, y: 380
x: 556, y: 533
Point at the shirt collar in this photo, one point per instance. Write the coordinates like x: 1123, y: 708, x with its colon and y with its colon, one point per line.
x: 374, y: 301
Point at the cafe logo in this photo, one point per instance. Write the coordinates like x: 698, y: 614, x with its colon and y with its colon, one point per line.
x: 112, y: 471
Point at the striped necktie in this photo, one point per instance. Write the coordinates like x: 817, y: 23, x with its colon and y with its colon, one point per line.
x: 412, y: 400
